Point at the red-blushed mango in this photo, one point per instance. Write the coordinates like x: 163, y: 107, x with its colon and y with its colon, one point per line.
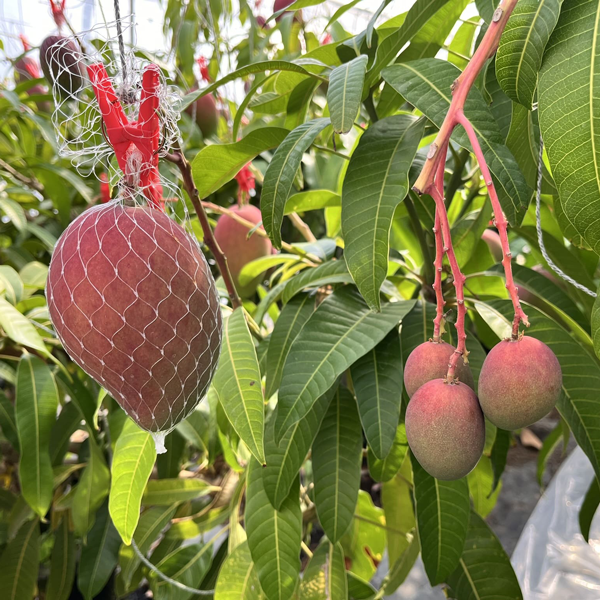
x: 492, y: 239
x: 134, y: 304
x: 204, y: 110
x: 520, y: 382
x: 430, y: 361
x: 26, y: 68
x: 240, y: 249
x: 63, y: 65
x: 445, y: 429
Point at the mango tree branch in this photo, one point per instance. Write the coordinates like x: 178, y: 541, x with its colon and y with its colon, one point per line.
x: 178, y: 159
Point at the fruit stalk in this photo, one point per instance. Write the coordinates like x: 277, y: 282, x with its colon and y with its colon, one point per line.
x: 437, y: 283
x: 178, y: 159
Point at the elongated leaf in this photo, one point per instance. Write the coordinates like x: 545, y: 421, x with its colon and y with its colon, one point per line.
x: 68, y: 422
x: 168, y: 464
x: 551, y: 442
x: 377, y: 380
x: 403, y: 566
x: 484, y: 571
x: 99, y: 556
x: 443, y: 518
x: 595, y: 324
x: 132, y: 464
x: 480, y: 481
x: 589, y: 508
x: 567, y: 96
x: 291, y: 320
x: 333, y: 271
x: 417, y: 16
x: 217, y: 164
x: 62, y: 563
x: 91, y: 491
x: 486, y: 9
x: 346, y: 330
x: 336, y: 459
x: 19, y: 328
x: 165, y: 492
x: 522, y: 46
x: 237, y: 384
x: 385, y: 469
x: 312, y: 200
x: 35, y: 411
x: 274, y: 536
x: 280, y: 174
x: 19, y: 563
x: 237, y: 577
x: 426, y: 84
x: 325, y: 574
x: 375, y: 183
x: 14, y: 211
x: 499, y: 455
x: 11, y: 284
x: 345, y: 91
x: 285, y: 459
x: 8, y: 425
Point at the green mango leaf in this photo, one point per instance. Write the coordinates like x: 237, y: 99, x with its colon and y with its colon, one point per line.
x: 467, y: 232
x: 14, y: 211
x: 375, y: 183
x: 484, y: 569
x: 62, y: 563
x: 217, y: 164
x: 133, y: 461
x: 336, y: 461
x: 346, y: 330
x: 486, y: 9
x: 259, y: 265
x: 168, y: 464
x: 461, y: 46
x: 442, y: 509
x: 595, y: 324
x: 19, y: 563
x: 19, y: 328
x: 311, y: 200
x: 291, y: 320
x: 11, y: 284
x: 499, y: 455
x: 274, y: 536
x: 237, y: 384
x: 551, y: 443
x: 99, y: 556
x: 426, y: 83
x: 151, y: 523
x: 333, y: 271
x: 384, y: 469
x: 8, y: 424
x: 377, y: 380
x: 280, y: 174
x: 588, y: 508
x: 402, y: 567
x: 481, y: 480
x: 69, y: 420
x: 237, y: 578
x: 91, y: 491
x: 344, y: 93
x: 285, y: 459
x: 418, y: 15
x: 522, y: 46
x: 325, y: 574
x: 35, y: 412
x: 34, y: 275
x: 186, y: 564
x: 566, y: 96
x: 165, y: 492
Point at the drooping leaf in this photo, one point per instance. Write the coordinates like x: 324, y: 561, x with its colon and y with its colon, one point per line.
x: 274, y: 536
x: 588, y: 508
x: 442, y: 509
x: 237, y: 577
x: 132, y: 464
x: 346, y: 330
x: 522, y: 46
x: 403, y: 566
x: 345, y: 91
x: 481, y: 480
x: 484, y: 571
x: 19, y: 563
x: 91, y: 491
x: 375, y: 183
x: 384, y: 469
x: 19, y: 328
x: 217, y: 164
x: 8, y: 425
x: 99, y: 556
x: 168, y: 464
x: 325, y: 574
x: 333, y: 271
x: 35, y: 412
x: 336, y: 460
x: 499, y: 455
x: 311, y: 200
x: 62, y: 563
x: 280, y: 174
x: 165, y: 492
x: 237, y: 384
x: 426, y: 83
x: 285, y: 459
x: 68, y: 422
x: 551, y: 442
x: 567, y: 95
x: 14, y: 211
x: 291, y: 320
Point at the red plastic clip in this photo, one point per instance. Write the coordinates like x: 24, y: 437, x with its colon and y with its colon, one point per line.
x: 135, y: 143
x: 58, y: 12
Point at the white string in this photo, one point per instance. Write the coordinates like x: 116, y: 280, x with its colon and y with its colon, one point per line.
x: 540, y: 237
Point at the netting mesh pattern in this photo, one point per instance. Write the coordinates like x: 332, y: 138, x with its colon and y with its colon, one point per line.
x: 134, y: 304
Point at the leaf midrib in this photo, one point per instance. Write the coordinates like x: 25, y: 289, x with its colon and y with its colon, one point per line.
x: 21, y: 559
